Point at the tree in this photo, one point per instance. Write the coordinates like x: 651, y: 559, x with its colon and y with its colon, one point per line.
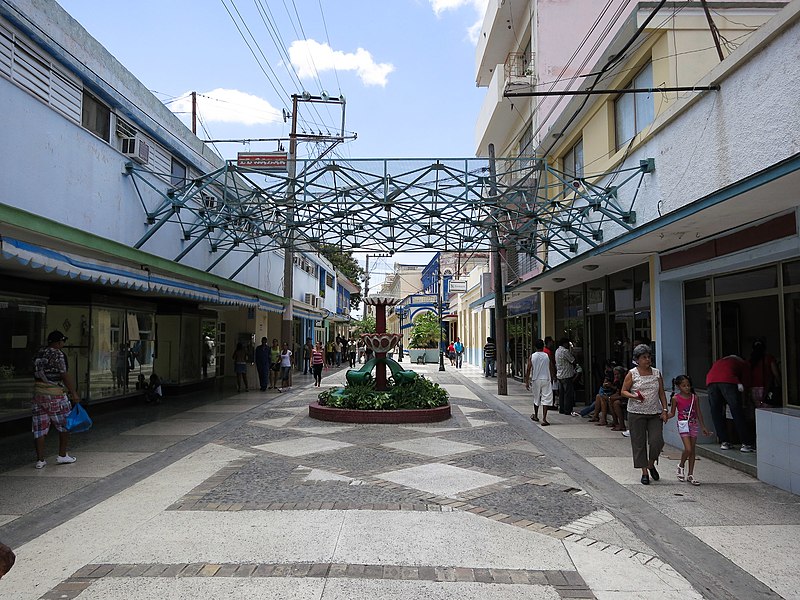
x: 426, y: 331
x: 365, y: 325
x: 347, y: 266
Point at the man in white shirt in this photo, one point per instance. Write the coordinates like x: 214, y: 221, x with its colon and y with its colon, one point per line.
x: 539, y: 375
x: 565, y: 371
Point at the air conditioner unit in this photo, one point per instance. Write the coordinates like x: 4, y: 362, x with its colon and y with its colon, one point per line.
x: 137, y: 149
x: 318, y: 303
x: 309, y: 299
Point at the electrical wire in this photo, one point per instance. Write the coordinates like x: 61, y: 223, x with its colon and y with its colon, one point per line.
x: 328, y: 39
x: 255, y: 56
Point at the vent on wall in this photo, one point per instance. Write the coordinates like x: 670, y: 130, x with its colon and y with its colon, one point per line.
x: 125, y: 129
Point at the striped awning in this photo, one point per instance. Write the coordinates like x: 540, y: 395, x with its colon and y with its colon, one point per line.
x: 81, y: 268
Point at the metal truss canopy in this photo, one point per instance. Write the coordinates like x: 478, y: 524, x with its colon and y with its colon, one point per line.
x: 392, y: 205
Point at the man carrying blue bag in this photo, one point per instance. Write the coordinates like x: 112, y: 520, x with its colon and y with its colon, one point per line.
x: 53, y: 388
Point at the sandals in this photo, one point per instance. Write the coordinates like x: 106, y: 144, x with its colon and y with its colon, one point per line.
x: 692, y: 480
x: 681, y: 473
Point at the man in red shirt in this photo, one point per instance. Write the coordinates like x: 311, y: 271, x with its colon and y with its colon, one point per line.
x: 725, y: 380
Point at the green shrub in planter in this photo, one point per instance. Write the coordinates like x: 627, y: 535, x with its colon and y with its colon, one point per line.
x: 417, y: 393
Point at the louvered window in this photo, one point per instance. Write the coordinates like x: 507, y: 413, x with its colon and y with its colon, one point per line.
x: 36, y: 73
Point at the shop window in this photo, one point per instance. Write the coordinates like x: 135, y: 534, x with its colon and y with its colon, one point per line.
x: 22, y: 324
x: 791, y: 273
x: 641, y: 290
x: 792, y: 332
x: 96, y: 117
x: 634, y: 112
x: 699, y: 288
x: 108, y: 362
x: 698, y: 342
x: 747, y: 281
x: 620, y: 290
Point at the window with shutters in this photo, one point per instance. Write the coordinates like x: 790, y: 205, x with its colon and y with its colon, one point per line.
x: 96, y: 117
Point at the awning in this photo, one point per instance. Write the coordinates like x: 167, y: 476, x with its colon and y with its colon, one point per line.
x: 73, y: 266
x: 486, y: 301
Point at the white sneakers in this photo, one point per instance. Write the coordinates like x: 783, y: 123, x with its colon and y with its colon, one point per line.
x: 724, y: 446
x: 746, y: 448
x: 60, y: 460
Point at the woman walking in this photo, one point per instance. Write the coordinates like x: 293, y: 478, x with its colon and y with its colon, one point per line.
x: 647, y: 412
x: 317, y: 363
x: 240, y: 368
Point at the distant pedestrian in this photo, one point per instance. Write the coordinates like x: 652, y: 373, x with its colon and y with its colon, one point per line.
x: 647, y: 412
x: 274, y: 365
x: 240, y: 367
x: 53, y: 395
x: 539, y: 375
x: 352, y: 349
x: 451, y: 353
x: 459, y: 348
x: 489, y: 357
x: 690, y: 422
x: 565, y: 372
x: 286, y: 366
x: 308, y: 347
x: 317, y: 363
x: 154, y: 393
x: 262, y: 364
x: 338, y: 347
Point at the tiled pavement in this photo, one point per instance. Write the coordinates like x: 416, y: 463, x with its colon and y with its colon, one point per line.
x: 247, y: 497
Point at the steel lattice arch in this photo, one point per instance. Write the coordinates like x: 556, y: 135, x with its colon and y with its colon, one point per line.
x: 393, y: 205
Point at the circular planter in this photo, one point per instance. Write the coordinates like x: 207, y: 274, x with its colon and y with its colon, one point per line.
x: 385, y: 417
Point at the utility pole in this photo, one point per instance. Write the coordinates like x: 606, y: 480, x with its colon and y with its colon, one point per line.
x: 194, y: 113
x: 288, y: 256
x: 499, y: 302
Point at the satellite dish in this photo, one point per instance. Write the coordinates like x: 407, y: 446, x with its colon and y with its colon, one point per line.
x: 286, y: 115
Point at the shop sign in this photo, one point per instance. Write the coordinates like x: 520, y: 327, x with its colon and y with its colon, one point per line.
x: 263, y: 161
x: 458, y: 286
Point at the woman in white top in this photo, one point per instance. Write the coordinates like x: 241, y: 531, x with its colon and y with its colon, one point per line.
x: 647, y: 412
x: 286, y: 366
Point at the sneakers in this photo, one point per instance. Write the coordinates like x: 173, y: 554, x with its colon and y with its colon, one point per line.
x: 576, y: 414
x: 724, y: 446
x: 747, y: 448
x: 65, y: 460
x: 41, y: 464
x: 626, y: 433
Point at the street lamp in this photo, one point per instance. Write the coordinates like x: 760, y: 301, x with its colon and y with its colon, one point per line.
x: 400, y: 311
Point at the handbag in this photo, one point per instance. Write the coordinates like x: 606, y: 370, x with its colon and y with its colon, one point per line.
x: 78, y: 420
x: 683, y: 425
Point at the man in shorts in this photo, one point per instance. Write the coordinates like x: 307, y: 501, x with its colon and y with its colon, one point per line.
x: 53, y: 387
x: 540, y: 375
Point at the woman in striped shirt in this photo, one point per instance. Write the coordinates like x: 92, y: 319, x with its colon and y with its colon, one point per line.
x: 317, y: 362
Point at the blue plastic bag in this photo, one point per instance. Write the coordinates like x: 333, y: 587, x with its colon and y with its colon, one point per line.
x: 78, y: 420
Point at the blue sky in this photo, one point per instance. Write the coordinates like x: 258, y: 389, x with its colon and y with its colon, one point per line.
x: 405, y: 67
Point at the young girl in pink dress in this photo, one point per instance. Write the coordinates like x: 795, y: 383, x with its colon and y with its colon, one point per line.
x: 685, y: 404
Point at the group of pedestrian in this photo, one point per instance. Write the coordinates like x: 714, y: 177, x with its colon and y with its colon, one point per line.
x: 273, y: 364
x: 455, y: 353
x: 639, y: 393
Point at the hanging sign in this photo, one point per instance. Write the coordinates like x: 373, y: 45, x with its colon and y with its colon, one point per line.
x: 458, y: 286
x: 263, y: 161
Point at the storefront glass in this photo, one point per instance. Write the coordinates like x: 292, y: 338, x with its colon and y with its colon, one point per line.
x: 22, y: 324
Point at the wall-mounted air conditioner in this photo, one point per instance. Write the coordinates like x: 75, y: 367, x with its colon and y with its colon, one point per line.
x: 310, y: 299
x: 318, y: 302
x: 137, y: 149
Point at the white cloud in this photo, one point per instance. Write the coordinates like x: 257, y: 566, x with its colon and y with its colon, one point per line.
x: 229, y: 106
x: 309, y: 56
x: 441, y: 6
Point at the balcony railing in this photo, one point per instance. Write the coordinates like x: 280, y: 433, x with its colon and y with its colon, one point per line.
x: 519, y: 65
